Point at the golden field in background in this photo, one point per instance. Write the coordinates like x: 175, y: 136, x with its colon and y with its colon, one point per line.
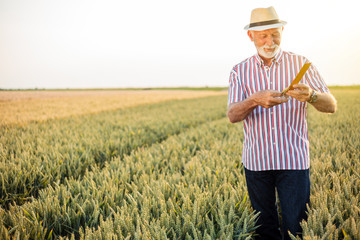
x: 19, y: 107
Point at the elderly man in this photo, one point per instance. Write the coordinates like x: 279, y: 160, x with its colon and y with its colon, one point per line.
x: 276, y: 146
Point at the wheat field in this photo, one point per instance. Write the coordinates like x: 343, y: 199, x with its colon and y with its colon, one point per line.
x: 19, y: 107
x: 158, y: 169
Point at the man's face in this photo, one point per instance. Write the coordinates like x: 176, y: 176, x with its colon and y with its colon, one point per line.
x: 267, y: 42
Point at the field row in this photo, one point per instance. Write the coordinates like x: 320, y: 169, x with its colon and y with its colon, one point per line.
x: 22, y: 107
x: 39, y: 154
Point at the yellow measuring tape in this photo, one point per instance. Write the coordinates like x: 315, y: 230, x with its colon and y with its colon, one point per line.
x: 297, y: 78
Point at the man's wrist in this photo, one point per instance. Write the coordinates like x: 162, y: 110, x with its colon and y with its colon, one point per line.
x: 313, y: 97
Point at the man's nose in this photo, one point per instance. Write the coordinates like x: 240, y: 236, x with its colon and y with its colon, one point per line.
x: 270, y: 41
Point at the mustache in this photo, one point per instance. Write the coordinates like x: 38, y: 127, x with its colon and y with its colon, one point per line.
x: 271, y: 47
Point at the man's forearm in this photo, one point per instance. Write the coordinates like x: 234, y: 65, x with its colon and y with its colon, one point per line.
x: 240, y: 110
x: 325, y: 103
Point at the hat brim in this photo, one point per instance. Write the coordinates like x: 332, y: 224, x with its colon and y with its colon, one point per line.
x: 265, y: 27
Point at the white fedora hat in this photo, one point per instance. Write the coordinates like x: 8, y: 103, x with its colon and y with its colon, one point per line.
x: 264, y: 18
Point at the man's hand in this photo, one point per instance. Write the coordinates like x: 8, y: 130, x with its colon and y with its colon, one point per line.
x: 268, y: 98
x: 301, y: 92
x: 325, y: 101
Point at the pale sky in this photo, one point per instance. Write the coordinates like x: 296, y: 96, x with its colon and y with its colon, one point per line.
x: 163, y: 43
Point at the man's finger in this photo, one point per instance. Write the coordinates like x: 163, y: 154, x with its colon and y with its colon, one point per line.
x: 280, y: 99
x: 276, y: 94
x: 300, y: 86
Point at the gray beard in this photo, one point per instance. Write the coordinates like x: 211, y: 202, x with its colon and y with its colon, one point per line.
x: 268, y: 54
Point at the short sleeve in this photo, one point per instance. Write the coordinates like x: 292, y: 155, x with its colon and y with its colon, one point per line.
x: 235, y: 92
x: 315, y: 80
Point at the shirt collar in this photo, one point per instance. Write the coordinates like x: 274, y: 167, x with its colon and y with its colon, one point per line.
x: 277, y: 58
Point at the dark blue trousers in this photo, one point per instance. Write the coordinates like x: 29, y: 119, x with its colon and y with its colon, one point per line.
x: 293, y: 188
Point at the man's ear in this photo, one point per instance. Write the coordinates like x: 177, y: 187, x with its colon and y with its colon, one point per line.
x: 249, y: 33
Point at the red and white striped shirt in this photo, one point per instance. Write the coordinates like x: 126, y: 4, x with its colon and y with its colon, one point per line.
x: 274, y: 138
